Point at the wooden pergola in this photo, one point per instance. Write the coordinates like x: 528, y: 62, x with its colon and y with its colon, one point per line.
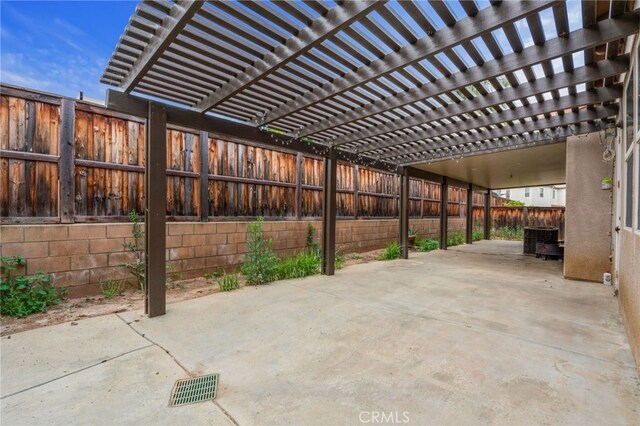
x: 387, y: 84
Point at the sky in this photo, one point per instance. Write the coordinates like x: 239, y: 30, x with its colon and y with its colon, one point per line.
x: 60, y: 47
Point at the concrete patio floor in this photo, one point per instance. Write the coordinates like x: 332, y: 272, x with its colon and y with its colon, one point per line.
x: 476, y: 334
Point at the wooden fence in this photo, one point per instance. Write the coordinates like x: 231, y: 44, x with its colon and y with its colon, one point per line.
x: 545, y: 217
x: 69, y: 161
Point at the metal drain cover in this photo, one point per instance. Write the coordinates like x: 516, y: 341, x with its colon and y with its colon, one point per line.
x: 197, y: 389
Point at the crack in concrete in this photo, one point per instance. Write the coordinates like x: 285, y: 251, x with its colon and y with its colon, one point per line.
x: 178, y: 363
x: 77, y: 371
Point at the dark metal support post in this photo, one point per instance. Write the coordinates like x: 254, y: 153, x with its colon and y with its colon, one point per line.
x: 67, y: 158
x: 404, y: 214
x: 204, y: 176
x: 470, y: 214
x: 155, y: 210
x: 329, y: 213
x: 487, y: 215
x: 444, y: 213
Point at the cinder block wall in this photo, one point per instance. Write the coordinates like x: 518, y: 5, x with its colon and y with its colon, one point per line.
x: 81, y: 256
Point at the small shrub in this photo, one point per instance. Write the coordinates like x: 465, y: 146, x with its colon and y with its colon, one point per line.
x: 24, y: 295
x: 111, y: 288
x: 301, y: 265
x: 514, y: 203
x: 136, y: 268
x: 478, y: 234
x: 260, y: 263
x: 427, y: 245
x: 455, y: 239
x: 391, y: 251
x: 229, y: 282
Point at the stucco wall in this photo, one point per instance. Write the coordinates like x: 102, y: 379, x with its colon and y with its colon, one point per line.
x: 629, y: 289
x: 81, y: 256
x: 588, y: 210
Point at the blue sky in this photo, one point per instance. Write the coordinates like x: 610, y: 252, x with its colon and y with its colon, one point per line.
x: 62, y: 46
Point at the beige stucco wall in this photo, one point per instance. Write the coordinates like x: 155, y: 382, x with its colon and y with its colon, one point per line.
x: 629, y: 288
x: 588, y: 210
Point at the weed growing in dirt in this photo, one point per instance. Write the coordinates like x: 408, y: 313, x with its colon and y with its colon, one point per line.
x: 455, y: 239
x: 427, y: 245
x: 112, y: 288
x: 25, y: 295
x: 391, y: 251
x: 229, y: 282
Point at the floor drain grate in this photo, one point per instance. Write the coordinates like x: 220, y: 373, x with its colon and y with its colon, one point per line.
x: 197, y: 389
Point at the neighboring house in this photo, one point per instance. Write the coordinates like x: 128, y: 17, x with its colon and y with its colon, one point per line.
x: 538, y: 196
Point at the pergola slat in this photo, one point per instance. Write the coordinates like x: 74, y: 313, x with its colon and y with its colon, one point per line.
x: 595, y: 71
x: 597, y: 113
x: 181, y: 13
x: 427, y: 47
x: 583, y: 39
x: 598, y: 95
x: 336, y: 19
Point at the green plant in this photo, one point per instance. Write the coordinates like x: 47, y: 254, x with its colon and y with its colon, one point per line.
x: 391, y: 251
x: 455, y: 239
x: 478, y: 234
x: 427, y: 245
x: 301, y: 265
x: 173, y: 278
x: 339, y: 261
x: 514, y: 203
x: 508, y: 233
x: 111, y: 288
x: 136, y: 268
x: 260, y: 263
x: 229, y: 282
x: 311, y: 244
x: 24, y: 295
x: 212, y: 275
x: 413, y: 231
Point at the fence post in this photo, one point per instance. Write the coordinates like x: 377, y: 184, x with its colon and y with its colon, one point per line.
x: 298, y: 206
x: 356, y: 182
x: 525, y: 214
x: 155, y: 218
x: 204, y: 176
x: 66, y: 164
x: 423, y: 183
x: 444, y: 212
x: 487, y: 215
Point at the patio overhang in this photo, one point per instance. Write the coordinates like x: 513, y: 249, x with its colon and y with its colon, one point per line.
x: 394, y: 85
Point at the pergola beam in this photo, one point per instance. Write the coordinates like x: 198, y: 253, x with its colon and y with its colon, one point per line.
x: 590, y: 114
x: 579, y: 40
x: 336, y: 20
x: 591, y: 72
x: 485, y: 21
x: 552, y: 136
x: 602, y: 94
x: 180, y: 15
x: 135, y: 105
